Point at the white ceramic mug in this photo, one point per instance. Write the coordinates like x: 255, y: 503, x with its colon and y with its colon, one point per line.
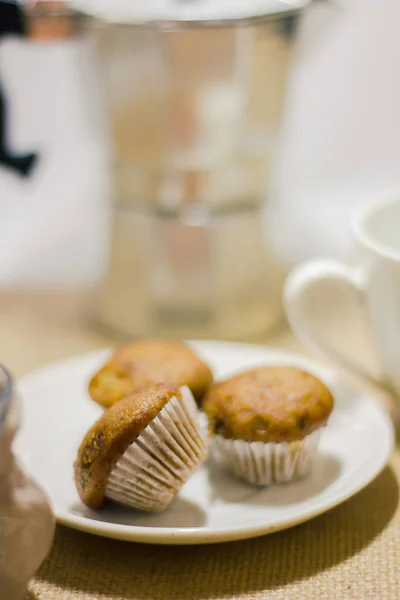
x: 372, y: 283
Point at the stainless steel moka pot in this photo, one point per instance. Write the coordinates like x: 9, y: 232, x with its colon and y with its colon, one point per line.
x: 193, y: 92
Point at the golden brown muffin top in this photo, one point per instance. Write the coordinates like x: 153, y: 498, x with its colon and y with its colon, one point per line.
x: 269, y: 404
x: 107, y: 440
x: 148, y: 362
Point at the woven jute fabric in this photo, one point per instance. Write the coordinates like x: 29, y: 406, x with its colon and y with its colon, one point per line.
x: 351, y: 552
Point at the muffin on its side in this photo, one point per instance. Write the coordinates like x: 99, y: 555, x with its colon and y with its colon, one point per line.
x: 141, y: 450
x: 266, y: 423
x: 146, y: 363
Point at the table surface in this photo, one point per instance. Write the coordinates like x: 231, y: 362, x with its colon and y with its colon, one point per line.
x: 351, y: 552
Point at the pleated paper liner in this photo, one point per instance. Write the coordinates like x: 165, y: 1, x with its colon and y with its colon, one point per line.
x: 262, y: 463
x: 162, y: 458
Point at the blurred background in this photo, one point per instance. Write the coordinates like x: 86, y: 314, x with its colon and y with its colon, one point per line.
x: 138, y: 190
x: 164, y: 164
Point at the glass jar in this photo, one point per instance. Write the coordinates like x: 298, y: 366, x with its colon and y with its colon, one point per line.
x: 26, y: 520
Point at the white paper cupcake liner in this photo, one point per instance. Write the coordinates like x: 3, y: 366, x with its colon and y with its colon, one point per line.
x: 161, y: 459
x: 204, y: 426
x: 262, y: 463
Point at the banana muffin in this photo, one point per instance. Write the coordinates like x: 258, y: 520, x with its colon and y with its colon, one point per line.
x: 141, y: 450
x: 149, y: 362
x: 265, y: 423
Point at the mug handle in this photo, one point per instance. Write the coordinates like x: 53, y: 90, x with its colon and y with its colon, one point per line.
x: 318, y: 275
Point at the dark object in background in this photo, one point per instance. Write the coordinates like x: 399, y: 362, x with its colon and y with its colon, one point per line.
x: 12, y: 23
x: 11, y: 18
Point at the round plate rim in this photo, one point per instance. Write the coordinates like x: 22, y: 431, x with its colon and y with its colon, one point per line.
x: 200, y: 535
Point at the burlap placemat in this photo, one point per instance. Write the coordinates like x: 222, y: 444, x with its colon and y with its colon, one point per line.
x: 351, y: 552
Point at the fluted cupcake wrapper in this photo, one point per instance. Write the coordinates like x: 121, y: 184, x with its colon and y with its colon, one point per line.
x: 161, y: 459
x: 262, y: 463
x: 204, y: 426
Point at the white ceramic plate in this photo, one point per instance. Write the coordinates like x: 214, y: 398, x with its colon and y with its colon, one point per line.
x: 212, y: 506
